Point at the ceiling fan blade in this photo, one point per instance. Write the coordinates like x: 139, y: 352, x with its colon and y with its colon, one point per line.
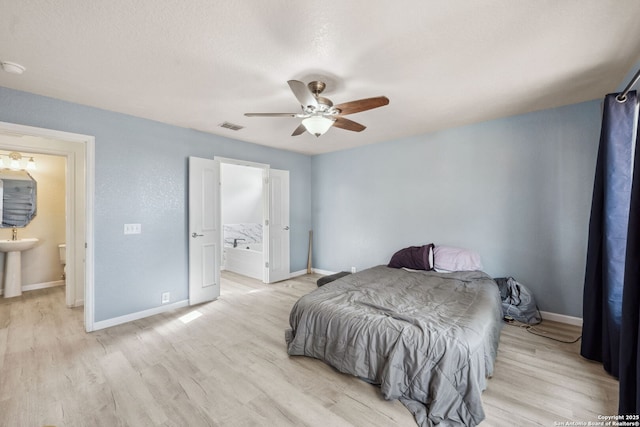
x: 347, y: 124
x: 362, y: 105
x: 271, y: 114
x: 299, y: 130
x: 302, y: 92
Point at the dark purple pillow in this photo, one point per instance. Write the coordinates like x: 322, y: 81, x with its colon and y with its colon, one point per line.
x: 413, y: 257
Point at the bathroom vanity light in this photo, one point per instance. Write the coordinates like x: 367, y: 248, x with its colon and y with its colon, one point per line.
x: 13, y: 161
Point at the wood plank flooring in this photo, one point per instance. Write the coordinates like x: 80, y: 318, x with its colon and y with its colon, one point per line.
x: 228, y: 366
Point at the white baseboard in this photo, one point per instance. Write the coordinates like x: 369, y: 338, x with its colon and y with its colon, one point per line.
x: 36, y: 286
x: 323, y: 272
x: 138, y: 315
x: 313, y: 270
x: 561, y: 318
x: 42, y: 285
x: 77, y: 303
x: 297, y: 273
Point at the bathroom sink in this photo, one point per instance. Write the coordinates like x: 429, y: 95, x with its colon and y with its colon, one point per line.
x: 18, y: 245
x: 12, y: 273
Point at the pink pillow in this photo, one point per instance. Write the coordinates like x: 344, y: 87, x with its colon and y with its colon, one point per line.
x: 448, y: 258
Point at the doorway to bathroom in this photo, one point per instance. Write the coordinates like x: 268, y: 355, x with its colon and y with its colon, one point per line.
x: 254, y: 217
x: 42, y: 266
x: 242, y: 216
x: 206, y: 239
x: 72, y: 155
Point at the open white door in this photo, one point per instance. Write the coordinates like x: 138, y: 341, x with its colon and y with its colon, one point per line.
x: 278, y: 265
x: 204, y: 232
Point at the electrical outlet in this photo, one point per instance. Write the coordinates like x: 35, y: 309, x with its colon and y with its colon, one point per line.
x: 353, y: 269
x: 132, y: 228
x: 166, y: 297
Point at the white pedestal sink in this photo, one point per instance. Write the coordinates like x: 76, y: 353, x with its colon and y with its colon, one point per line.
x: 12, y: 266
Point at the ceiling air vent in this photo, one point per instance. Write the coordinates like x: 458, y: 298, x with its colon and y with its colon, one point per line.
x: 231, y: 126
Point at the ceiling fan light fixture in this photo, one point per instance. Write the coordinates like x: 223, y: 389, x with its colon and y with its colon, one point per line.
x: 317, y: 125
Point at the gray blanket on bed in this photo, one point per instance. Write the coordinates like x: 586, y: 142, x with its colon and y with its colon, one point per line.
x: 429, y: 339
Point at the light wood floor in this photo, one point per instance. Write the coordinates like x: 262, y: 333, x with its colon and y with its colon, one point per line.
x: 229, y: 367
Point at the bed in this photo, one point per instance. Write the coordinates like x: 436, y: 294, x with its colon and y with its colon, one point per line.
x: 426, y: 338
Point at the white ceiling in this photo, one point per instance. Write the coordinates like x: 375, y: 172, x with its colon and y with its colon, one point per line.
x: 198, y: 63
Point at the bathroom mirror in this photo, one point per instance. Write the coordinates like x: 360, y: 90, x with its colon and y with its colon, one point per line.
x: 18, y: 201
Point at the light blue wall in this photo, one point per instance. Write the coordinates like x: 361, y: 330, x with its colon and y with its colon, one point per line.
x: 517, y: 190
x: 141, y: 177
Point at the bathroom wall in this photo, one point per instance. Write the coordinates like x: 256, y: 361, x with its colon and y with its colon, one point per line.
x: 41, y: 265
x: 241, y: 194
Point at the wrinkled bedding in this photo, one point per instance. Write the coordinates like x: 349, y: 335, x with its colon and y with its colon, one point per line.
x: 428, y: 339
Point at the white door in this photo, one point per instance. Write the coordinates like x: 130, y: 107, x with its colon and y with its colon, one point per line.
x: 204, y: 232
x: 278, y: 264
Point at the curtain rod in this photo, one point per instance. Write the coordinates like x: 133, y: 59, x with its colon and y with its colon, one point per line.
x: 623, y: 96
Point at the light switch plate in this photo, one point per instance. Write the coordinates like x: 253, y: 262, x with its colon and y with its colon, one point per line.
x: 132, y: 228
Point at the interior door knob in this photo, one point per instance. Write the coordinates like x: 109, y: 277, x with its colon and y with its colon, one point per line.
x: 194, y: 234
x: 286, y: 227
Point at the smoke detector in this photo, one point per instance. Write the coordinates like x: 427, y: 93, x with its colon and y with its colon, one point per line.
x: 12, y: 67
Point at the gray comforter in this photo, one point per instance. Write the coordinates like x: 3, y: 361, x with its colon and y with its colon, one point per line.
x: 429, y: 339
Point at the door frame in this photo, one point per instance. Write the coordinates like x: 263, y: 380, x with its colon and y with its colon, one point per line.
x: 79, y: 174
x: 265, y: 208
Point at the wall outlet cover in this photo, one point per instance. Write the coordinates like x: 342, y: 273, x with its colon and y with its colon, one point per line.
x: 166, y: 297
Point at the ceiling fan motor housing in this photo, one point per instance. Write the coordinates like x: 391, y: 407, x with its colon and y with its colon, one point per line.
x: 316, y: 87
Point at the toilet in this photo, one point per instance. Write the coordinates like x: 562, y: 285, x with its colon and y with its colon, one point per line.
x: 62, y: 252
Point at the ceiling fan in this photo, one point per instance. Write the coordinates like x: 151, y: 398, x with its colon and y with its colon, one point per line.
x: 319, y: 114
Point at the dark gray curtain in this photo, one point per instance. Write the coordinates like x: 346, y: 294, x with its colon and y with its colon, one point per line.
x: 611, y: 290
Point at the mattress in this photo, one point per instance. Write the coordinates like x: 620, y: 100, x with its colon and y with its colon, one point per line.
x: 428, y: 339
